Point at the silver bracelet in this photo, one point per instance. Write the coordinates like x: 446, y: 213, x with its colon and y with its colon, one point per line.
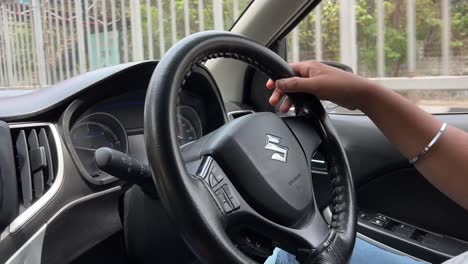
x: 429, y: 146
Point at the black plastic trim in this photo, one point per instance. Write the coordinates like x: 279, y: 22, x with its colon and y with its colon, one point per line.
x: 304, y: 12
x: 240, y: 16
x: 44, y: 142
x: 8, y: 186
x: 410, y: 246
x: 25, y: 168
x: 88, y: 228
x: 38, y: 176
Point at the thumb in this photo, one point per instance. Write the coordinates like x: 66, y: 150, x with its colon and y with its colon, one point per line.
x: 295, y: 84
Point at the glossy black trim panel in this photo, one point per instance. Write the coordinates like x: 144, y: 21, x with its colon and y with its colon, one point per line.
x: 369, y: 152
x: 388, y: 184
x: 80, y: 225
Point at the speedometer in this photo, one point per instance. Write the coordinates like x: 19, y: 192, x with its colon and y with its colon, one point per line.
x: 189, y: 126
x: 96, y: 131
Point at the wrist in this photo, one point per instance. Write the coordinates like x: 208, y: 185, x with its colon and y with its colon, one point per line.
x: 368, y: 95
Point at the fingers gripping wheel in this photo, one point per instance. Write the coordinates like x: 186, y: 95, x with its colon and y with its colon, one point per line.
x: 259, y: 158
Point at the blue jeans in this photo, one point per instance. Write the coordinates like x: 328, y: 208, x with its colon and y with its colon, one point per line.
x: 366, y: 253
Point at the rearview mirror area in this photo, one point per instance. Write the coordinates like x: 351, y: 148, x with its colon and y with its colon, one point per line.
x: 339, y: 65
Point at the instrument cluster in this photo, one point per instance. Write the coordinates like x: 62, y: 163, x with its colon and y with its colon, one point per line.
x: 117, y: 123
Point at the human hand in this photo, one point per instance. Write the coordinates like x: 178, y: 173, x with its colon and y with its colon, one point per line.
x: 324, y: 81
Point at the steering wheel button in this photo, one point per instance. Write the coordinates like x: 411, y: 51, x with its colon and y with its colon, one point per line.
x: 216, y: 171
x: 221, y: 197
x: 235, y: 203
x: 204, y: 167
x: 227, y: 207
x: 219, y: 176
x: 214, y: 168
x: 227, y: 190
x: 211, y: 180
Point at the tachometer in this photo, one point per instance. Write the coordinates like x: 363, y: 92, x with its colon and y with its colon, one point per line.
x: 189, y: 126
x: 93, y: 132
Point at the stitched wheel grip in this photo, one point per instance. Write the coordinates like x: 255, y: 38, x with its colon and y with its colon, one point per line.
x: 174, y: 185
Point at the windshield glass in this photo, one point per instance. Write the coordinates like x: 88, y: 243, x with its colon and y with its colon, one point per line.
x: 45, y: 41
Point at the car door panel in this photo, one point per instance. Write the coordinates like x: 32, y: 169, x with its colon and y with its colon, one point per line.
x: 387, y: 184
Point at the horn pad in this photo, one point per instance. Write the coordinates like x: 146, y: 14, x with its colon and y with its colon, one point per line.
x: 266, y: 163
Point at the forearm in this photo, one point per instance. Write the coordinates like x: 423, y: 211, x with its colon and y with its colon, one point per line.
x: 411, y: 129
x: 404, y: 124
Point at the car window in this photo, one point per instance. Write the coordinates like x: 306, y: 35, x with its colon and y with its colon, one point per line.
x: 419, y: 48
x: 43, y: 42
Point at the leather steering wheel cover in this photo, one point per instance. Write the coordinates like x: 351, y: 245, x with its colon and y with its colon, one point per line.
x: 175, y: 186
x: 339, y: 245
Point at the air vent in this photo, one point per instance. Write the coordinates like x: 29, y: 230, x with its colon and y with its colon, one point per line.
x: 236, y: 114
x: 35, y: 162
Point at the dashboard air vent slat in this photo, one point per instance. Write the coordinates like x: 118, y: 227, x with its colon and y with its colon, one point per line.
x: 24, y: 168
x: 37, y: 162
x: 44, y: 142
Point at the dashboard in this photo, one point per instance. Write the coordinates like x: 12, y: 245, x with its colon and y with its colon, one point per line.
x: 71, y: 120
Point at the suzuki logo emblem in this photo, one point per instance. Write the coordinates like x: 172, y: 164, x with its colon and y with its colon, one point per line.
x: 273, y: 144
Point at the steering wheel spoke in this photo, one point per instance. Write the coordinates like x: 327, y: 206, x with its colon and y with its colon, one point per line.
x: 248, y: 224
x: 305, y: 132
x: 227, y: 202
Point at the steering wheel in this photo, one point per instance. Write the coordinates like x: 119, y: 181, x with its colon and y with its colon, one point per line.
x: 247, y: 184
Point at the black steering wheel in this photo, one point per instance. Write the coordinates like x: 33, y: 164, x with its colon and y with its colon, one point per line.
x: 248, y: 183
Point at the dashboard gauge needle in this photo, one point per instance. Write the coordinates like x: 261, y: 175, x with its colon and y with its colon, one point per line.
x: 88, y: 149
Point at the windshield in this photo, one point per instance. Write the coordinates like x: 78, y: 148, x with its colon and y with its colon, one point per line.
x: 44, y: 42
